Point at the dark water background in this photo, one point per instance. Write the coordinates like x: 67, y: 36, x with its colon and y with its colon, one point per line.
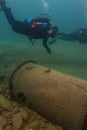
x: 67, y: 57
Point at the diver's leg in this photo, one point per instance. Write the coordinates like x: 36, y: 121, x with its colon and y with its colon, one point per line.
x: 7, y: 11
x: 17, y: 26
x: 46, y: 47
x: 20, y: 27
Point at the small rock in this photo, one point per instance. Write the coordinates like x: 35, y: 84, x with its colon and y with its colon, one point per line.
x: 5, y: 103
x: 59, y: 128
x: 9, y: 122
x: 1, y: 109
x: 34, y: 125
x: 24, y: 114
x: 42, y: 124
x: 13, y: 128
x: 17, y: 121
x: 51, y: 127
x: 28, y: 128
x: 41, y: 129
x: 1, y: 129
x: 3, y: 122
x: 8, y: 127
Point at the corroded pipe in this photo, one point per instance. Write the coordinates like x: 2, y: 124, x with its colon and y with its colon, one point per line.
x: 60, y: 98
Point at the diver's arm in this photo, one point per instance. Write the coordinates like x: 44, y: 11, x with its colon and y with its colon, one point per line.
x: 63, y: 36
x: 46, y: 46
x: 67, y: 37
x: 79, y: 35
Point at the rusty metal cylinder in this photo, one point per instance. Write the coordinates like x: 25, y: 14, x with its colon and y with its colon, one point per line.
x: 58, y: 97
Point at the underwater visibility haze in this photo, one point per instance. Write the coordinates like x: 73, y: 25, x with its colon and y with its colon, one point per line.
x: 69, y: 57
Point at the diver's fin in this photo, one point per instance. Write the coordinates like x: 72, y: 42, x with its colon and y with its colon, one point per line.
x: 2, y: 4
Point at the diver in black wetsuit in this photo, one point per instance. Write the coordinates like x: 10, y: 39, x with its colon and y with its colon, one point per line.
x: 80, y: 35
x: 38, y: 28
x: 41, y: 28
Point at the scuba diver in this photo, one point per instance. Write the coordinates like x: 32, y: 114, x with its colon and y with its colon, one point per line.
x: 80, y: 35
x: 38, y: 28
x: 41, y: 28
